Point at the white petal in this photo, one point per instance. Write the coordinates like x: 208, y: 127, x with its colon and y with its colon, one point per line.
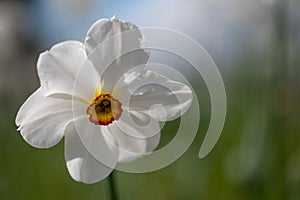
x: 97, y: 143
x: 42, y: 120
x: 29, y: 107
x: 134, y: 140
x: 115, y: 46
x: 147, y: 91
x: 82, y: 165
x: 58, y: 68
x: 38, y: 105
x: 87, y: 81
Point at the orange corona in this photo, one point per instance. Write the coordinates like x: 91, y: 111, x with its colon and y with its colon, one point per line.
x: 104, y: 110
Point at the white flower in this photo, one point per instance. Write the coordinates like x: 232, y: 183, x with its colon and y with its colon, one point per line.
x: 93, y: 113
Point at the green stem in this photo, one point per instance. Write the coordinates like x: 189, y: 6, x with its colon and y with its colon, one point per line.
x: 112, y: 188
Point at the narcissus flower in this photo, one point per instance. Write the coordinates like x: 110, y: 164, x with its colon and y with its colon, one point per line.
x: 108, y: 112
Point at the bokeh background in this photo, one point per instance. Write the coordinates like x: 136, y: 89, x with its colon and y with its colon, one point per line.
x: 255, y: 45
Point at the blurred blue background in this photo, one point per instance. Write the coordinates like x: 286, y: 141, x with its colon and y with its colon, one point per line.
x: 256, y: 46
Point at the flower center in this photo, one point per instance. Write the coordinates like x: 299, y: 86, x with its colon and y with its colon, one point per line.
x: 104, y: 110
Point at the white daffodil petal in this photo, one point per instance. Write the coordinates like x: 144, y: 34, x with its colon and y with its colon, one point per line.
x: 147, y: 91
x: 96, y: 142
x: 87, y: 81
x: 46, y: 131
x: 82, y: 166
x: 115, y: 47
x: 133, y: 139
x: 42, y: 120
x: 58, y: 69
x: 38, y: 105
x: 29, y: 107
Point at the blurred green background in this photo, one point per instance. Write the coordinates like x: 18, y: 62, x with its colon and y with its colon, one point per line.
x: 256, y: 46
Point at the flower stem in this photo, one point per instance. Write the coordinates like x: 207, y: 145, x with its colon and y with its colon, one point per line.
x: 112, y: 188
